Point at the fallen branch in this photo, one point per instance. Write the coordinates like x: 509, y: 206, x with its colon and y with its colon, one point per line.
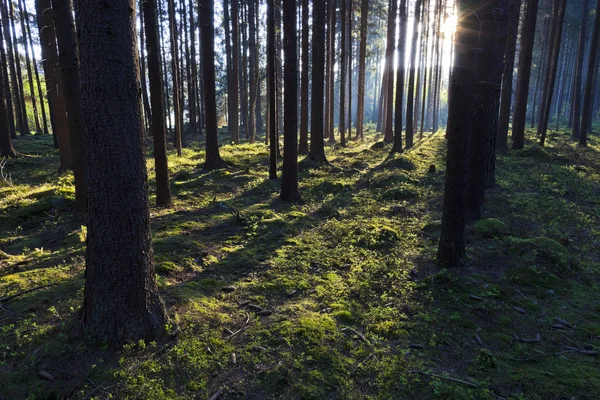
x: 217, y: 395
x: 470, y: 384
x: 233, y: 334
x: 555, y: 154
x: 8, y: 298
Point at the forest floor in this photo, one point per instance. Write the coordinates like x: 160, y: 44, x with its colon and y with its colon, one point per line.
x: 359, y: 307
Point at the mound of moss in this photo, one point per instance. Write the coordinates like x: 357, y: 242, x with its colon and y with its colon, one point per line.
x: 490, y: 228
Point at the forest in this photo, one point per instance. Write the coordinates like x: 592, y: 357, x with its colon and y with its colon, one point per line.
x: 300, y: 199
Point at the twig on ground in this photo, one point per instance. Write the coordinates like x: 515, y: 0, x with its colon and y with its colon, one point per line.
x: 8, y: 298
x: 470, y: 384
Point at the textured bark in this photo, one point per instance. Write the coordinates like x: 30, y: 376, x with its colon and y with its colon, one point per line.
x: 6, y: 147
x: 21, y: 122
x: 507, y: 76
x: 362, y: 69
x: 576, y: 118
x: 36, y: 117
x: 121, y: 301
x: 289, y: 172
x: 303, y: 145
x: 330, y: 72
x: 588, y: 100
x: 317, y: 149
x: 56, y: 101
x: 411, y: 78
x: 388, y: 128
x: 69, y: 67
x: 343, y: 74
x: 193, y: 77
x: 157, y: 124
x: 272, y: 89
x: 452, y: 237
x: 25, y: 130
x: 233, y: 91
x: 559, y: 12
x: 488, y: 75
x: 401, y: 72
x: 145, y: 101
x: 207, y: 27
x: 524, y: 74
x: 253, y: 73
x: 177, y: 141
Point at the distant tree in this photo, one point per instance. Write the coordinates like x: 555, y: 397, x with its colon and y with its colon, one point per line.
x: 411, y: 77
x: 588, y: 100
x: 207, y: 28
x: 401, y: 72
x: 54, y: 84
x: 507, y: 76
x: 289, y: 172
x: 253, y: 72
x: 388, y: 128
x: 271, y: 77
x: 343, y: 73
x: 451, y: 248
x: 18, y: 102
x: 66, y: 38
x: 10, y: 113
x: 34, y: 105
x: 121, y: 301
x: 303, y: 145
x: 362, y: 67
x: 576, y: 121
x: 193, y: 79
x: 145, y: 101
x: 330, y: 108
x: 157, y: 124
x: 177, y: 106
x: 233, y: 91
x: 524, y: 74
x: 317, y: 149
x: 6, y: 147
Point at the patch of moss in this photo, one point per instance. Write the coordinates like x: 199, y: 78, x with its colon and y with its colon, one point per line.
x: 490, y: 228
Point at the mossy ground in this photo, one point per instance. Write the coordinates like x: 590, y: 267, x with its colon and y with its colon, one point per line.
x: 360, y: 309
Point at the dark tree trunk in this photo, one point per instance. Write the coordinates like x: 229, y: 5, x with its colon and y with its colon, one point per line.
x: 56, y: 100
x: 145, y: 101
x: 579, y: 70
x: 17, y: 101
x: 303, y: 145
x: 401, y: 72
x: 289, y: 172
x: 343, y: 74
x: 157, y: 124
x: 193, y: 79
x: 362, y: 69
x: 507, y: 76
x: 253, y: 67
x: 10, y: 113
x: 486, y: 89
x: 317, y: 149
x: 207, y: 27
x: 588, y: 101
x: 524, y: 74
x: 411, y: 78
x: 233, y: 91
x: 178, y: 143
x: 66, y: 38
x: 272, y: 89
x: 6, y: 147
x: 121, y: 301
x: 244, y: 72
x: 452, y: 237
x: 330, y: 72
x: 18, y: 69
x: 388, y: 128
x: 559, y: 12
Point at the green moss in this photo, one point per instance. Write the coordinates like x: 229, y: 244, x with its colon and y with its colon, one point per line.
x: 490, y: 228
x: 550, y: 248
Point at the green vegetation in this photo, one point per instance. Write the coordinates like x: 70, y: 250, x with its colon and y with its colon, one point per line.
x: 359, y: 307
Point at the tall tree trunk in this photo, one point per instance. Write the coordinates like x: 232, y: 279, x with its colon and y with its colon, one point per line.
x: 401, y: 72
x: 157, y: 124
x: 177, y: 142
x: 343, y: 74
x: 411, y: 78
x: 54, y: 83
x: 388, y: 127
x: 547, y: 101
x: 289, y: 172
x: 507, y: 76
x: 451, y: 248
x: 121, y: 301
x: 524, y: 74
x: 165, y: 69
x: 12, y: 61
x: 330, y: 71
x: 586, y: 116
x: 18, y: 69
x: 488, y: 76
x: 272, y: 89
x: 362, y: 69
x: 193, y: 82
x: 6, y: 147
x: 254, y: 79
x: 68, y: 48
x: 233, y: 91
x: 145, y: 101
x: 9, y: 109
x: 303, y: 145
x: 244, y: 72
x: 585, y: 11
x: 317, y: 149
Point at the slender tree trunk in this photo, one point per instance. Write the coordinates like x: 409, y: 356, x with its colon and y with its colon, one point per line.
x: 289, y: 172
x: 54, y: 83
x: 507, y: 76
x: 9, y: 109
x: 278, y: 73
x: 233, y: 91
x: 12, y: 61
x: 303, y: 145
x: 165, y: 69
x: 330, y: 71
x: 6, y: 147
x: 193, y: 81
x: 25, y: 130
x: 254, y: 79
x: 524, y: 74
x: 388, y: 136
x: 145, y: 101
x: 579, y: 70
x: 121, y: 301
x: 68, y: 47
x: 272, y: 89
x: 401, y: 72
x: 362, y: 69
x: 411, y: 78
x: 244, y: 73
x: 157, y: 125
x: 586, y: 116
x: 343, y: 74
x: 317, y: 149
x: 178, y: 143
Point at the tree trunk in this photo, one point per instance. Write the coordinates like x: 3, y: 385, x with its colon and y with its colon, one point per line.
x: 121, y: 301
x: 303, y: 145
x: 6, y: 147
x: 401, y: 72
x: 330, y: 71
x: 54, y: 84
x: 254, y: 80
x: 233, y: 91
x: 178, y: 143
x: 18, y: 69
x: 317, y: 149
x: 411, y: 78
x: 586, y: 116
x: 66, y: 37
x: 157, y: 124
x: 289, y: 172
x: 388, y: 127
x: 145, y: 101
x: 507, y: 76
x: 524, y: 74
x: 362, y: 69
x: 9, y: 109
x: 12, y: 58
x: 193, y: 79
x: 579, y: 70
x: 343, y: 74
x: 272, y: 89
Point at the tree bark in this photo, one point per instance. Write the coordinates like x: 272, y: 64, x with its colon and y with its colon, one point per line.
x: 178, y: 143
x: 362, y: 69
x: 253, y: 71
x: 330, y: 71
x: 233, y: 91
x: 272, y: 89
x: 303, y: 145
x: 588, y: 101
x: 17, y: 101
x: 411, y: 78
x: 401, y: 72
x: 6, y: 147
x: 579, y: 70
x: 317, y: 149
x: 121, y: 301
x: 388, y: 127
